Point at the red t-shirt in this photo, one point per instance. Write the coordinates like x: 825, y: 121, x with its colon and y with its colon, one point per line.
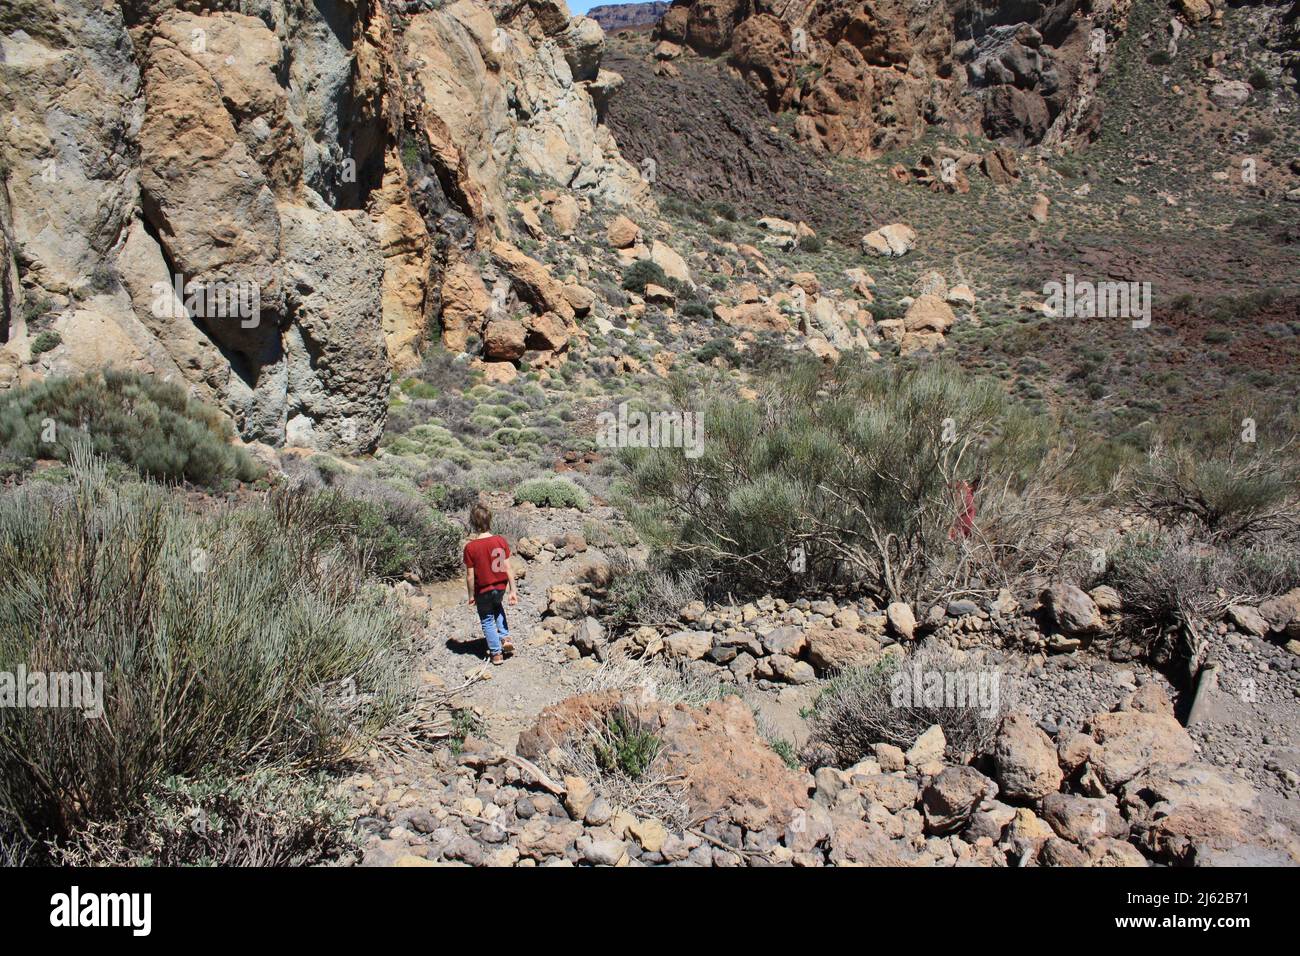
x: 488, y: 557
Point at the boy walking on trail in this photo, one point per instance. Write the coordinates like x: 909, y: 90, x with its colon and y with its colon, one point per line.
x: 488, y: 578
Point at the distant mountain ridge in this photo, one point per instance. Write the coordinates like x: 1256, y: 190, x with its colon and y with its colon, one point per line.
x: 622, y: 16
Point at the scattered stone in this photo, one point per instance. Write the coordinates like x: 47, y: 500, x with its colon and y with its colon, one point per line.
x: 928, y: 748
x: 896, y: 239
x: 1024, y: 759
x: 951, y: 797
x: 1075, y: 613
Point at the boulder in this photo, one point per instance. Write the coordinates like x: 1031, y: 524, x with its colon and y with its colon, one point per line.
x: 889, y: 757
x: 564, y: 213
x: 504, y: 340
x: 1106, y: 598
x: 1231, y: 94
x: 951, y: 797
x: 781, y: 227
x: 531, y: 280
x: 1024, y: 759
x: 891, y: 791
x: 674, y: 266
x: 928, y: 313
x: 465, y: 305
x: 689, y: 645
x: 895, y: 239
x: 589, y: 638
x: 1132, y: 742
x: 1083, y: 819
x: 830, y: 648
x: 1038, y: 211
x: 1000, y: 165
x: 927, y: 748
x: 546, y: 332
x: 1283, y: 614
x: 902, y: 622
x: 622, y: 232
x: 1194, y: 11
x: 758, y: 316
x: 961, y: 296
x: 788, y: 640
x: 583, y: 43
x: 1248, y: 620
x: 1073, y: 612
x: 912, y: 342
x: 789, y: 670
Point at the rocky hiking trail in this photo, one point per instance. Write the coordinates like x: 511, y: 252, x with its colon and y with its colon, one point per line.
x: 1107, y: 764
x: 511, y: 695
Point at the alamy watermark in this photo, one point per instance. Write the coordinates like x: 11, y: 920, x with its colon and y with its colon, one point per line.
x: 1084, y: 299
x: 635, y: 429
x: 71, y: 690
x: 133, y: 911
x: 977, y: 690
x: 218, y: 299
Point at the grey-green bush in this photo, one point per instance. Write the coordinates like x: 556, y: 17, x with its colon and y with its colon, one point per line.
x: 225, y: 641
x: 146, y: 423
x: 850, y: 476
x: 266, y: 818
x: 552, y: 493
x: 859, y: 708
x: 1220, y: 485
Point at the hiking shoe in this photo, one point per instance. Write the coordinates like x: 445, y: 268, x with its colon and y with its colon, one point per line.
x: 508, y: 648
x: 497, y: 660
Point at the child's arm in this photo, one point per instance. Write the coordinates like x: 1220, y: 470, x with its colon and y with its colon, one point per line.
x: 469, y: 583
x: 511, y: 588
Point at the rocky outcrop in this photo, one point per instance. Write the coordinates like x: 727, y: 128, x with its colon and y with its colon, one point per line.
x: 622, y: 16
x: 868, y: 78
x: 272, y: 205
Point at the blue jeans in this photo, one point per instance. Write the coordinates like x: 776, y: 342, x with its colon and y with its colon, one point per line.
x: 492, y: 616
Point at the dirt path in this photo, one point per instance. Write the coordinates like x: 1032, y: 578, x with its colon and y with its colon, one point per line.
x: 540, y: 673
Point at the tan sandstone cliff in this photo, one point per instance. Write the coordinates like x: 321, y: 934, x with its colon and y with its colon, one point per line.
x: 265, y: 199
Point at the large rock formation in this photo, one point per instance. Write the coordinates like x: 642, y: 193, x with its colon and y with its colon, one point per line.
x: 622, y: 16
x: 262, y: 203
x: 865, y: 77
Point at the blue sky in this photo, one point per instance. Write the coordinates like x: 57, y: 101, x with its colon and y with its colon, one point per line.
x: 582, y: 6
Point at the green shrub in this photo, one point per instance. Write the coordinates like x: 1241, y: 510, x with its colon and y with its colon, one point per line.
x: 1170, y: 582
x: 47, y: 341
x: 393, y: 534
x: 843, y: 476
x: 552, y: 493
x: 812, y: 244
x: 626, y: 746
x: 785, y: 750
x: 1221, y: 485
x: 148, y: 424
x: 641, y: 273
x: 645, y: 596
x: 267, y: 818
x: 226, y: 640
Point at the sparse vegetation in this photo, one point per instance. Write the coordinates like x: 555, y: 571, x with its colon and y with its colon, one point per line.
x: 228, y: 641
x: 862, y: 706
x: 46, y: 341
